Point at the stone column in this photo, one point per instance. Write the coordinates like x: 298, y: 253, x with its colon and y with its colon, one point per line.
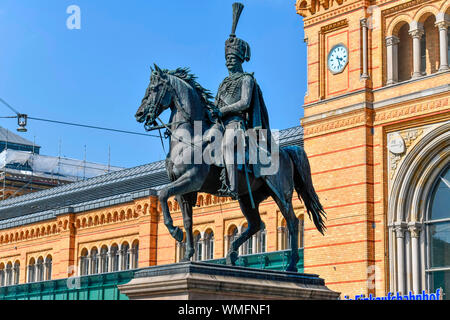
x: 400, y: 236
x: 416, y: 32
x: 111, y: 260
x: 392, y: 59
x: 120, y: 259
x: 255, y: 244
x: 414, y: 229
x: 364, y: 29
x: 442, y: 22
x: 203, y: 253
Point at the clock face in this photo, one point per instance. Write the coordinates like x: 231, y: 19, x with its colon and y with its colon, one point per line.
x: 337, y: 58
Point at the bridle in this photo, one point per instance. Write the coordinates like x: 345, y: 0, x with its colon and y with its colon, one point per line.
x: 166, y: 87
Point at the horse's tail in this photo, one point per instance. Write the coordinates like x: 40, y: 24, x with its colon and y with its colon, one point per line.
x: 304, y: 186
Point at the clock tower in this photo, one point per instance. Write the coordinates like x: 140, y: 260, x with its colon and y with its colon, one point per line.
x: 378, y: 91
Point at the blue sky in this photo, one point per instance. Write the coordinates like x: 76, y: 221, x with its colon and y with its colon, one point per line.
x: 98, y: 75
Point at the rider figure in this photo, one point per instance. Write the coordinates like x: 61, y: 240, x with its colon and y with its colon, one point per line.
x: 240, y: 105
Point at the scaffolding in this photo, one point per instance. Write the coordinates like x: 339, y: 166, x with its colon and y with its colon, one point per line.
x: 30, y: 169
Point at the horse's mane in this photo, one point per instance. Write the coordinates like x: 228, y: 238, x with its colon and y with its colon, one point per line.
x: 186, y: 75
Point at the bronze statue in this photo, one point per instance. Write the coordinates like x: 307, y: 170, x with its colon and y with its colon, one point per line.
x: 195, y: 125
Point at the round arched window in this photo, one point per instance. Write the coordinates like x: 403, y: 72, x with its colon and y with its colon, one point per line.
x: 438, y: 230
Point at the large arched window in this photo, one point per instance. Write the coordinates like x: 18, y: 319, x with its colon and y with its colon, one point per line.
x: 261, y: 241
x: 247, y: 246
x: 430, y: 46
x: 40, y: 269
x: 125, y: 253
x: 135, y: 255
x: 285, y: 236
x: 9, y: 274
x: 209, y: 245
x: 94, y: 261
x: 84, y: 263
x: 438, y: 231
x: 104, y: 259
x: 2, y: 275
x: 16, y: 272
x: 114, y: 258
x: 405, y: 58
x: 198, y: 247
x: 31, y: 270
x: 48, y: 267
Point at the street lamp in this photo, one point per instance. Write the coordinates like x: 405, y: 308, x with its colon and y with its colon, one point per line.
x: 22, y: 122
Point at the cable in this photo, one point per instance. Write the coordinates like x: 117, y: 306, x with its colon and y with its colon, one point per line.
x: 73, y: 124
x: 93, y: 127
x: 9, y: 106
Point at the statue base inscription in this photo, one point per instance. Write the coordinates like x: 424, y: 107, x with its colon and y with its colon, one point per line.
x: 207, y: 281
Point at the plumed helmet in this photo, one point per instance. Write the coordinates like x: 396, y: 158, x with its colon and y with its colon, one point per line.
x: 233, y: 44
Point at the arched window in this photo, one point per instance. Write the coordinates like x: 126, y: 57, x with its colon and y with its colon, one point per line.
x: 247, y: 246
x: 209, y: 245
x: 285, y: 236
x: 125, y: 253
x: 261, y: 241
x: 16, y: 272
x: 135, y: 255
x: 2, y: 275
x: 94, y: 261
x: 104, y: 259
x: 40, y: 269
x: 114, y: 258
x: 31, y: 271
x: 198, y: 247
x: 430, y: 46
x: 84, y: 263
x: 438, y: 231
x: 405, y: 50
x: 48, y: 268
x: 9, y: 274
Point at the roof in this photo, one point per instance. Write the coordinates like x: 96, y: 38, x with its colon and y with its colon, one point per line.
x: 101, y: 191
x: 11, y: 137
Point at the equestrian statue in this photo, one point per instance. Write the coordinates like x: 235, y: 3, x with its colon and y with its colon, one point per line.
x: 213, y: 147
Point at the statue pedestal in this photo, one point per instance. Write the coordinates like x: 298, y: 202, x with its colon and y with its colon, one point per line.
x: 206, y: 281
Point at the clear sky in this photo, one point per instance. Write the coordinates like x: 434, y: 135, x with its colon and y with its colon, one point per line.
x: 98, y: 75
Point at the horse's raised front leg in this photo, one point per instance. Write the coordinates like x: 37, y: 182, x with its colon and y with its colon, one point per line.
x: 254, y: 225
x: 189, y: 182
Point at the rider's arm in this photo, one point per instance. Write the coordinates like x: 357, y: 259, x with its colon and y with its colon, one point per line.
x: 246, y: 97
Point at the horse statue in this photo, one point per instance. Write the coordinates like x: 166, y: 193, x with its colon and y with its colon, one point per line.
x: 189, y: 103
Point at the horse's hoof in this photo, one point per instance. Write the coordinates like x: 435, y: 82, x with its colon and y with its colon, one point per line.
x: 177, y: 234
x: 292, y: 269
x: 232, y: 258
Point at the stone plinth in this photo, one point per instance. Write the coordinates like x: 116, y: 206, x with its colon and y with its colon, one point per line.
x: 206, y: 281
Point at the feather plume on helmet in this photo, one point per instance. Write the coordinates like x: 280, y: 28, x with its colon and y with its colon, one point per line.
x: 234, y: 45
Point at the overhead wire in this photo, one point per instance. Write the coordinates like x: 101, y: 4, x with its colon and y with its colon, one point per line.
x: 72, y: 124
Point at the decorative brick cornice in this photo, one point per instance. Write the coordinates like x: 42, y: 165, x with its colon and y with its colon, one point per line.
x: 337, y: 124
x: 390, y: 114
x: 334, y: 26
x: 315, y: 11
x: 403, y: 6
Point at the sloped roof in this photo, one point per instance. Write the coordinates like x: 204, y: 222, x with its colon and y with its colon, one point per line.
x: 105, y: 190
x: 11, y: 137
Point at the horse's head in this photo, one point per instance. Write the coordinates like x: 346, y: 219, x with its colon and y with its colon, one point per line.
x: 158, y: 98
